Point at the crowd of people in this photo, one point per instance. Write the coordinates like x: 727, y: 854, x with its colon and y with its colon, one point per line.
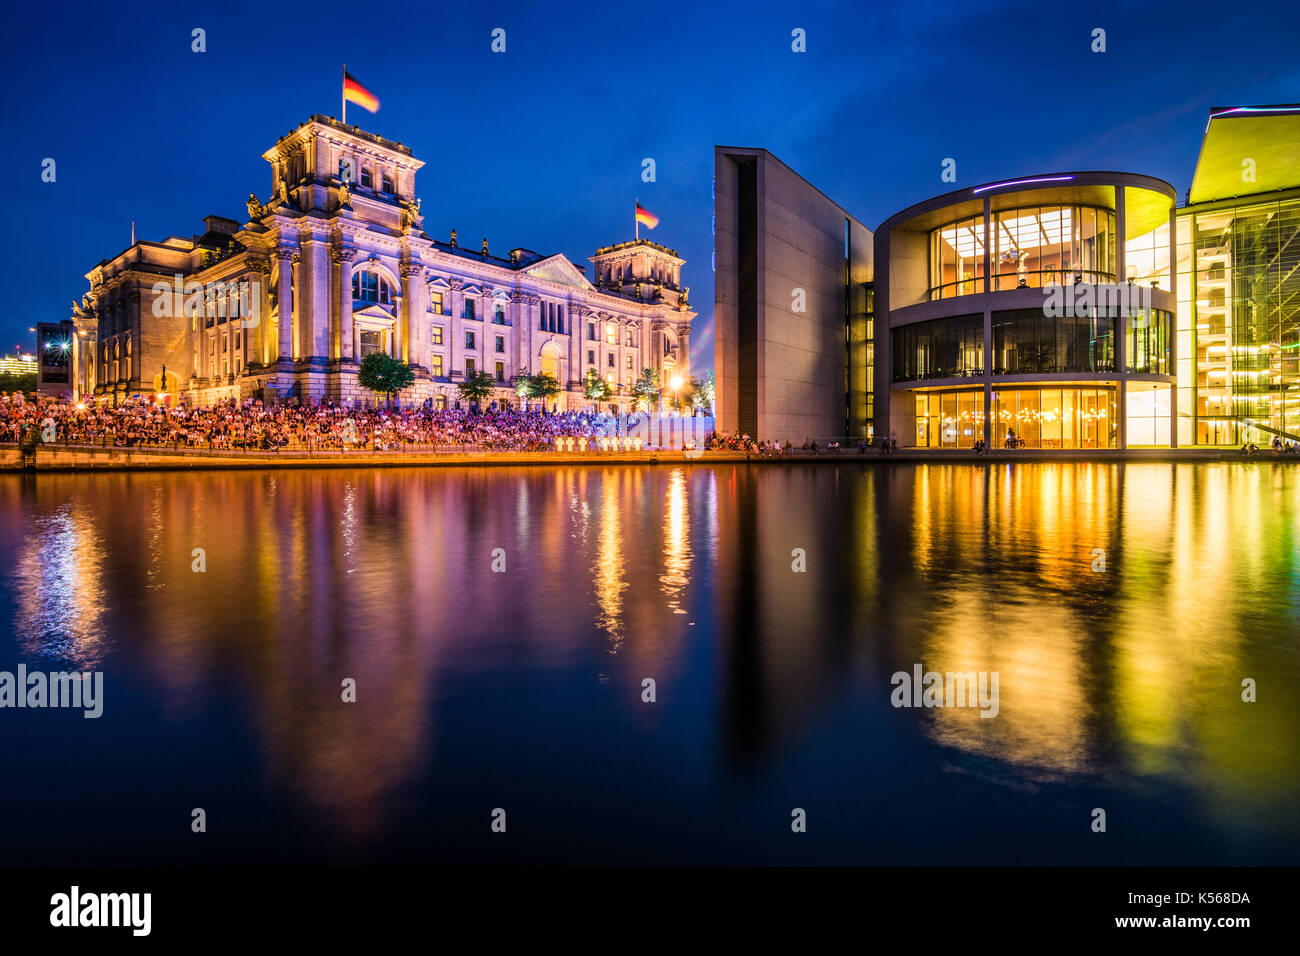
x: 250, y: 425
x: 1279, y: 447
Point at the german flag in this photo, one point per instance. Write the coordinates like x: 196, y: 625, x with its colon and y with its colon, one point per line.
x: 354, y: 92
x: 644, y: 217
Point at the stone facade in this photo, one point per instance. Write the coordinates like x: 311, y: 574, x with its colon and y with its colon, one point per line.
x: 791, y: 329
x: 336, y: 264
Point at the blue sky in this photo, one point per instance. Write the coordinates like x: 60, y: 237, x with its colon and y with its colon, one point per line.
x: 542, y: 146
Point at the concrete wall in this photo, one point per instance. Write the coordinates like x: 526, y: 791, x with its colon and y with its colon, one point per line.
x: 780, y: 299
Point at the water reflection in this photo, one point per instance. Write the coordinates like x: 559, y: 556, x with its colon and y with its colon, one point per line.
x: 59, y: 592
x: 1124, y: 677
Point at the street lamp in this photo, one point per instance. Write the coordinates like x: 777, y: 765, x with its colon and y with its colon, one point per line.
x: 677, y: 384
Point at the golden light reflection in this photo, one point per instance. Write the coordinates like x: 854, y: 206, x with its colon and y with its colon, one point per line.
x: 59, y: 576
x: 1132, y: 670
x: 677, y: 549
x: 607, y: 570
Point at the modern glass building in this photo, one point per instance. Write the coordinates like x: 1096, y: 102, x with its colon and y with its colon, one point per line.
x: 1238, y: 275
x: 1036, y: 312
x: 1075, y: 310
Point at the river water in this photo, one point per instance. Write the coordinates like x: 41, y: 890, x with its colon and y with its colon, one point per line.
x: 500, y: 625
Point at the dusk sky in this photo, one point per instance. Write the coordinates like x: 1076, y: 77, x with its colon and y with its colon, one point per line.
x: 542, y: 146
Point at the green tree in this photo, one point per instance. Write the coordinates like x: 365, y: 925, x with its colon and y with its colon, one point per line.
x: 543, y: 385
x: 596, y: 388
x: 477, y: 388
x: 384, y: 375
x: 702, y: 392
x: 24, y: 382
x: 523, y: 385
x: 646, y: 388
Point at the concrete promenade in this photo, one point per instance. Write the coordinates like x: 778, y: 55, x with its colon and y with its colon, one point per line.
x: 65, y: 458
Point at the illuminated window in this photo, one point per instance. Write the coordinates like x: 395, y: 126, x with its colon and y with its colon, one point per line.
x: 437, y: 335
x: 1029, y: 247
x: 437, y: 366
x: 370, y: 287
x: 611, y: 334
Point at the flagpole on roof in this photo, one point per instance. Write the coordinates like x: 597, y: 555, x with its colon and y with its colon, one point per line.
x: 345, y: 94
x: 636, y: 218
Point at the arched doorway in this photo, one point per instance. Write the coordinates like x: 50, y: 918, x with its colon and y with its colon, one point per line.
x: 551, y: 360
x: 550, y: 365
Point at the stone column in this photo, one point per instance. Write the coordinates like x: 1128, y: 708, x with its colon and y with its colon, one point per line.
x: 287, y: 255
x: 411, y: 273
x: 1172, y: 331
x: 577, y: 327
x: 455, y: 340
x: 344, y: 256
x: 519, y: 324
x: 260, y: 275
x: 1121, y: 324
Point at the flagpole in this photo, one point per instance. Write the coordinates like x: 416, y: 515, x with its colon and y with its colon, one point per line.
x: 345, y: 94
x: 637, y: 219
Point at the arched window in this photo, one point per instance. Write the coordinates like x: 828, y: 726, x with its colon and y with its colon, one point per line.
x: 369, y: 287
x: 365, y: 176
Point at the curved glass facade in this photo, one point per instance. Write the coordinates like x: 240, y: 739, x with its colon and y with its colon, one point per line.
x: 1051, y: 417
x: 1028, y: 247
x: 1146, y: 342
x: 952, y: 419
x: 1030, y: 341
x: 1026, y: 341
x: 1069, y: 416
x: 941, y: 348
